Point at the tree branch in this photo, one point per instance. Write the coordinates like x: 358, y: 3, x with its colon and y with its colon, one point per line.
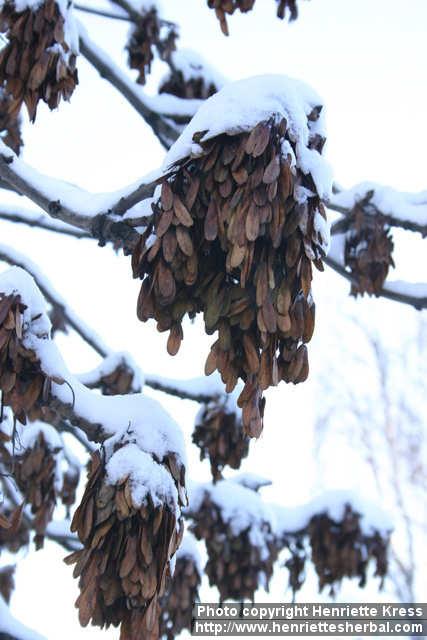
x: 100, y: 12
x: 414, y: 300
x: 40, y: 221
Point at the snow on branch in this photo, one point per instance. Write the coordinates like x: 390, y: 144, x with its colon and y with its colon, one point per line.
x: 12, y: 628
x: 40, y: 382
x: 92, y: 213
x: 410, y: 293
x: 61, y: 314
x: 38, y: 220
x: 396, y: 208
x: 157, y: 111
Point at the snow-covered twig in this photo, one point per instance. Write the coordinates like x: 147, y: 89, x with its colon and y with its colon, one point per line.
x: 39, y: 220
x: 397, y: 209
x: 156, y: 111
x: 14, y: 258
x: 101, y: 12
x: 93, y: 213
x: 415, y: 295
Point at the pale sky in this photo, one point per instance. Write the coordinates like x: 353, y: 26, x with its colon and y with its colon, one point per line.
x: 368, y: 60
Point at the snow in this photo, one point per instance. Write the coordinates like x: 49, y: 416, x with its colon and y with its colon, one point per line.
x: 251, y: 481
x: 241, y: 508
x: 188, y: 549
x: 372, y: 517
x: 193, y: 66
x: 146, y: 477
x: 108, y: 365
x: 78, y: 200
x: 407, y: 207
x: 9, y: 625
x: 153, y: 428
x: 241, y: 105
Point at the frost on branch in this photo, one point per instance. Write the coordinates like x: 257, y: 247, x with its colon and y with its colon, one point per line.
x: 176, y: 606
x: 228, y: 7
x: 147, y: 36
x: 236, y: 231
x: 190, y: 77
x: 237, y: 529
x: 39, y: 61
x: 219, y: 434
x: 130, y: 525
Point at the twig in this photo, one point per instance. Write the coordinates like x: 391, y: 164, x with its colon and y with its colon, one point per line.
x: 101, y: 12
x: 386, y: 292
x: 41, y: 222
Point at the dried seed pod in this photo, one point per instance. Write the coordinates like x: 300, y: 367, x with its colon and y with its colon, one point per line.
x: 146, y: 36
x: 219, y: 434
x: 130, y: 528
x: 10, y: 123
x: 228, y: 7
x: 253, y: 225
x: 38, y: 63
x: 368, y: 252
x: 7, y: 582
x: 35, y: 474
x: 22, y: 382
x: 240, y: 557
x: 177, y: 604
x: 14, y: 530
x: 70, y: 482
x: 189, y: 77
x: 337, y: 548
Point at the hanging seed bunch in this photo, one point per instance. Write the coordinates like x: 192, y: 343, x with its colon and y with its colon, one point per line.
x: 240, y: 557
x: 368, y: 252
x: 342, y: 549
x: 129, y: 531
x: 14, y: 531
x: 146, y: 37
x: 116, y: 375
x: 22, y: 382
x: 38, y: 63
x: 7, y: 583
x: 183, y: 592
x: 36, y: 476
x: 296, y: 566
x: 234, y: 235
x: 10, y: 123
x: 190, y: 77
x: 70, y: 482
x: 228, y: 7
x: 219, y: 434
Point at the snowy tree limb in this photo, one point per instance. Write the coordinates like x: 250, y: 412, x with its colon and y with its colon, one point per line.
x: 101, y: 12
x: 403, y: 210
x: 417, y: 299
x: 39, y: 221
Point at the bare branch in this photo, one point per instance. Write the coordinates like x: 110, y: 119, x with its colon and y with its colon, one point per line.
x: 178, y: 388
x: 100, y: 12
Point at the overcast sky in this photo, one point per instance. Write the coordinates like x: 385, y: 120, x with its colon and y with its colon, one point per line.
x: 367, y: 59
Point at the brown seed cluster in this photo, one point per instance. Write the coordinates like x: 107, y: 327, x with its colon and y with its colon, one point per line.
x: 10, y: 123
x: 148, y: 36
x: 338, y: 550
x: 195, y: 88
x: 14, y: 530
x: 124, y: 563
x: 219, y: 435
x: 368, y: 252
x: 70, y: 482
x: 228, y: 7
x: 120, y: 381
x: 234, y: 564
x: 7, y: 583
x: 37, y: 63
x: 232, y: 241
x: 35, y: 475
x: 176, y: 605
x: 22, y: 383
